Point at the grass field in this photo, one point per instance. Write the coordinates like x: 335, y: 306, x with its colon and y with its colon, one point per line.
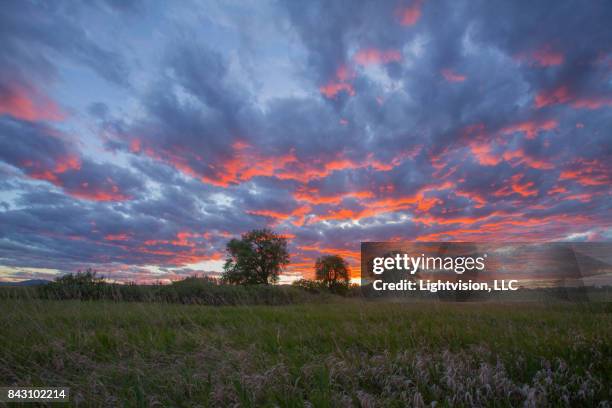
x: 348, y: 353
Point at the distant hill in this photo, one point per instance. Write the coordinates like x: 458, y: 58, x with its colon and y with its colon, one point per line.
x: 30, y: 282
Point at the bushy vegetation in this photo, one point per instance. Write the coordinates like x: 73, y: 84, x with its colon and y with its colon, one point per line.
x: 88, y: 285
x: 321, y: 287
x: 353, y: 353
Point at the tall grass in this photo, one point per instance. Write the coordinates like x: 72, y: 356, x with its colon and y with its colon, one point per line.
x: 351, y: 353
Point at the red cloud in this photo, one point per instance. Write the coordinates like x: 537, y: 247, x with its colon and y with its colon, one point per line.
x: 301, y: 171
x: 331, y: 89
x: 531, y: 128
x: 518, y: 186
x: 592, y: 102
x: 543, y: 57
x: 518, y: 156
x: 135, y: 146
x: 475, y: 197
x: 483, y: 154
x: 588, y: 173
x: 246, y: 162
x: 313, y: 196
x: 546, y: 57
x: 344, y: 73
x: 243, y: 164
x: 451, y: 76
x: 339, y: 83
x: 117, y: 237
x: 39, y: 171
x: 106, y: 192
x: 419, y: 201
x: 563, y: 95
x: 409, y: 16
x: 557, y: 190
x: 373, y: 56
x: 513, y: 226
x: 27, y: 104
x: 297, y: 216
x: 553, y: 97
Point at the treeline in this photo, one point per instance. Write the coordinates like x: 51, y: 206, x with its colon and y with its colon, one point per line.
x: 89, y: 286
x: 253, y: 262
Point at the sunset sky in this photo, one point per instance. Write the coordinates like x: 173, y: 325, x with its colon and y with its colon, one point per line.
x: 138, y: 137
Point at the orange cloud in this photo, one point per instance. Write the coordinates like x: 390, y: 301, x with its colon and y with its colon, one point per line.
x: 418, y: 201
x: 297, y: 216
x: 27, y: 104
x: 246, y: 162
x: 588, y: 173
x: 483, y: 150
x: 313, y: 196
x: 525, y: 189
x: 518, y: 156
x: 301, y: 171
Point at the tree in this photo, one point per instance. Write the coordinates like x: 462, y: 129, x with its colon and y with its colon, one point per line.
x: 258, y: 257
x: 333, y: 271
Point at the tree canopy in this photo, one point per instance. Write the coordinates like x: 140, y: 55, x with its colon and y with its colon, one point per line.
x: 332, y: 270
x: 257, y: 257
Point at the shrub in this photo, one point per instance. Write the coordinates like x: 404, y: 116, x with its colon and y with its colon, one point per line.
x: 310, y: 285
x: 193, y: 290
x: 86, y: 285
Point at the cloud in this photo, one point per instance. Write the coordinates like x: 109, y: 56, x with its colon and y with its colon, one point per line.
x: 27, y: 104
x: 410, y: 15
x: 452, y: 76
x: 335, y: 123
x: 44, y: 154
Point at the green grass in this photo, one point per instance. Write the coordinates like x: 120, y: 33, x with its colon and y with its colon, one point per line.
x: 346, y: 353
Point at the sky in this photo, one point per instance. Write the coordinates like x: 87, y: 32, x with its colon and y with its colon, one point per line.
x: 138, y: 137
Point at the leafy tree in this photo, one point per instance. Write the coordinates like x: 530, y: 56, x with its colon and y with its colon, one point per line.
x: 333, y: 271
x: 258, y: 257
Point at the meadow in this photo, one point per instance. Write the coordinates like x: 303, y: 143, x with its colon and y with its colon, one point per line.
x: 340, y: 352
